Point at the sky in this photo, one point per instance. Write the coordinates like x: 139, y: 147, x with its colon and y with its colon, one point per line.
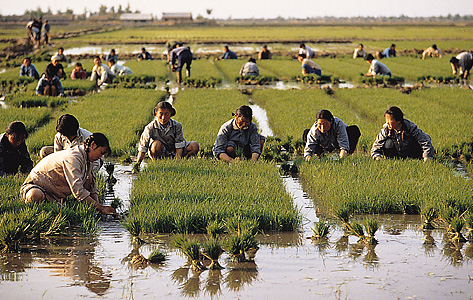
x: 258, y: 8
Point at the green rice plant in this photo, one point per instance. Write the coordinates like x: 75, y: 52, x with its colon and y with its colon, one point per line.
x: 31, y: 117
x: 116, y: 203
x: 371, y: 226
x: 357, y: 230
x: 313, y: 79
x: 26, y: 100
x: 105, y: 112
x: 13, y: 229
x: 321, y: 229
x: 215, y: 228
x: 236, y: 224
x: 469, y: 226
x: 429, y: 214
x: 57, y: 226
x: 212, y: 249
x: 255, y: 80
x: 134, y: 227
x: 239, y: 243
x: 83, y: 85
x: 156, y: 257
x: 90, y: 224
x: 190, y: 249
x: 202, y: 82
x: 156, y: 69
x: 456, y: 226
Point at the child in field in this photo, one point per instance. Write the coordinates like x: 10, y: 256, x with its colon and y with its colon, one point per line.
x: 163, y: 137
x: 400, y: 138
x: 28, y: 69
x: 308, y: 66
x: 13, y: 151
x: 239, y: 133
x: 78, y: 72
x: 377, y: 68
x: 119, y: 70
x: 250, y: 68
x: 68, y: 172
x: 329, y: 134
x: 49, y: 84
x: 101, y: 73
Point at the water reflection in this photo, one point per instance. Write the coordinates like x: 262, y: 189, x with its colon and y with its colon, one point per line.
x: 240, y: 275
x: 14, y: 265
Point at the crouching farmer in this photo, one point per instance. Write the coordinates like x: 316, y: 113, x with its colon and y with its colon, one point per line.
x: 239, y: 134
x: 400, y: 138
x: 163, y: 137
x: 330, y: 134
x: 68, y: 172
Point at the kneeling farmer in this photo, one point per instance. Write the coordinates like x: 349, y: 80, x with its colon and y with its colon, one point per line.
x: 239, y: 133
x: 163, y: 137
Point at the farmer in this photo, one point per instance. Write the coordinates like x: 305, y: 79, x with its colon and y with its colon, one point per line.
x: 163, y: 137
x: 308, y: 66
x: 61, y: 57
x: 239, y: 133
x: 265, y: 53
x: 28, y: 69
x: 68, y: 172
x: 376, y: 67
x: 36, y: 28
x: 144, y: 55
x: 462, y: 64
x: 117, y: 69
x: 13, y: 151
x: 78, y: 72
x: 329, y: 134
x: 46, y: 34
x: 388, y: 52
x: 57, y: 67
x: 112, y: 55
x: 359, y: 52
x: 183, y: 56
x: 432, y: 51
x: 227, y: 54
x: 307, y: 51
x: 101, y: 73
x: 400, y: 138
x: 68, y: 135
x: 49, y: 84
x: 250, y: 68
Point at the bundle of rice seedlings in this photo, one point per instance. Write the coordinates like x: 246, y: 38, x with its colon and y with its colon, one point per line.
x: 139, y: 262
x: 357, y: 230
x: 456, y: 226
x: 190, y: 249
x: 110, y: 167
x: 240, y: 243
x: 12, y: 231
x: 215, y: 228
x: 469, y: 226
x: 238, y: 225
x: 320, y: 230
x: 57, y: 226
x: 371, y: 226
x: 133, y: 225
x: 342, y: 214
x: 90, y: 224
x: 429, y: 214
x: 156, y: 257
x: 212, y: 250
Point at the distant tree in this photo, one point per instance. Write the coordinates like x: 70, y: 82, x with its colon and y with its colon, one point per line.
x: 128, y: 9
x: 49, y: 12
x: 102, y: 10
x: 120, y: 9
x: 69, y: 11
x: 209, y: 11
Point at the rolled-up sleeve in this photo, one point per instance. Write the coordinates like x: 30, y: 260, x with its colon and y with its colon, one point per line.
x: 144, y: 140
x: 221, y: 141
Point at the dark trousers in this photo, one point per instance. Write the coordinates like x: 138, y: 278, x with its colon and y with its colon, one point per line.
x: 185, y: 58
x: 412, y: 150
x: 353, y: 133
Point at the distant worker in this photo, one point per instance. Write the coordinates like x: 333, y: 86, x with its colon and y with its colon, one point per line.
x: 13, y: 151
x: 101, y: 73
x: 308, y: 66
x: 387, y: 53
x: 170, y: 45
x: 265, y: 53
x: 61, y: 57
x: 112, y: 55
x: 228, y: 54
x: 144, y: 55
x: 49, y: 84
x: 432, y: 51
x: 400, y: 138
x: 250, y: 68
x: 46, y: 34
x: 56, y: 67
x: 462, y: 64
x: 359, y: 52
x: 239, y: 134
x: 78, y: 72
x: 183, y: 56
x: 36, y: 28
x: 329, y: 134
x: 376, y: 68
x: 307, y: 51
x: 28, y: 69
x: 117, y: 69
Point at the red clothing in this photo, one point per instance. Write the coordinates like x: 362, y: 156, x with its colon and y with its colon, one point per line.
x: 78, y: 74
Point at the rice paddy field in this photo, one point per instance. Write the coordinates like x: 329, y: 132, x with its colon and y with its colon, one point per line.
x: 347, y: 228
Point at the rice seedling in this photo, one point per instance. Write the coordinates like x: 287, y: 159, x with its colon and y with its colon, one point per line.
x: 139, y: 261
x: 255, y: 80
x: 190, y: 249
x: 156, y: 257
x: 32, y: 117
x: 429, y: 214
x: 321, y: 229
x: 212, y: 249
x: 116, y: 203
x: 371, y: 226
x: 134, y: 227
x: 215, y: 228
x: 25, y: 100
x: 237, y: 244
x: 469, y: 226
x: 13, y: 229
x: 456, y: 226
